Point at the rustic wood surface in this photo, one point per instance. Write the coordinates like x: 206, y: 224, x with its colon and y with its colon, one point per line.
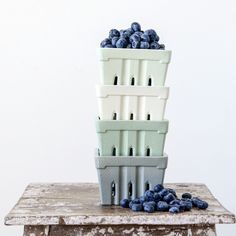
x: 78, y: 204
x: 117, y: 230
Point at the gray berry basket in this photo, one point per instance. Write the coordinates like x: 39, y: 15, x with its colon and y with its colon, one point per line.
x: 131, y: 138
x: 128, y: 177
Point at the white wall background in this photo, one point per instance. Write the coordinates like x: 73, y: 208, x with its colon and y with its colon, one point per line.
x: 48, y: 70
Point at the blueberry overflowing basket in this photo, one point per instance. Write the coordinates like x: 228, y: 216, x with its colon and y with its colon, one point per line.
x: 131, y: 128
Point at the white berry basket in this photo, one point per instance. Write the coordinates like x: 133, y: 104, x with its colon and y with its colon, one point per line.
x: 134, y: 66
x: 131, y: 102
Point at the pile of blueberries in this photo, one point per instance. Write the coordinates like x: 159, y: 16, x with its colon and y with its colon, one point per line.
x: 163, y: 199
x: 132, y: 37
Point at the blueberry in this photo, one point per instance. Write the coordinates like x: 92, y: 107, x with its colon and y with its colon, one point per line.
x: 137, y: 207
x: 169, y: 197
x: 134, y: 201
x: 152, y: 35
x: 130, y: 30
x: 144, y: 45
x: 114, y: 41
x: 182, y: 206
x: 154, y: 45
x: 152, y: 203
x: 197, y: 202
x: 135, y: 44
x: 149, y: 195
x: 202, y: 205
x: 105, y: 42
x: 114, y: 33
x: 139, y: 33
x: 158, y: 188
x: 142, y: 199
x: 135, y: 26
x: 145, y: 38
x: 121, y: 43
x: 174, y: 205
x: 186, y: 204
x: 163, y: 192
x: 172, y: 191
x: 174, y: 210
x: 126, y: 34
x: 129, y: 46
x: 187, y: 195
x: 157, y: 197
x: 149, y: 208
x: 134, y: 37
x: 108, y: 46
x: 176, y: 201
x: 162, y: 206
x: 124, y: 203
x: 162, y: 46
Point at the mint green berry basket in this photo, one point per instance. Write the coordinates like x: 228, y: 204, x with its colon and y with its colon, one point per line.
x: 131, y: 138
x: 144, y: 67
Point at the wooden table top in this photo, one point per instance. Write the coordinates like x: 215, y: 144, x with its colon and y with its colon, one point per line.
x: 78, y: 204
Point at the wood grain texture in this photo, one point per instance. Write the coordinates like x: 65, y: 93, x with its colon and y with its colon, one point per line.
x: 78, y: 204
x: 116, y: 230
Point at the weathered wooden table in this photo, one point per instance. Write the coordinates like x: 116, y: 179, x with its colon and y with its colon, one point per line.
x: 74, y: 209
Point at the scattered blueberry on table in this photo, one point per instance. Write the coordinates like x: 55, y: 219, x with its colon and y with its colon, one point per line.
x: 164, y: 200
x: 133, y: 37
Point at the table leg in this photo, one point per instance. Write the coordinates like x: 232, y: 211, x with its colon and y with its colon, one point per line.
x: 116, y: 230
x: 36, y: 230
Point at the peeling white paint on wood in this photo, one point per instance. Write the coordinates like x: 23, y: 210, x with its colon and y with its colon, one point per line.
x: 74, y: 210
x: 127, y: 230
x: 78, y: 204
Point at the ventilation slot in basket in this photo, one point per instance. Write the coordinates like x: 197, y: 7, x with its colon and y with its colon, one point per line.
x: 116, y: 80
x: 131, y: 151
x: 114, y: 151
x: 131, y: 116
x: 148, y: 152
x: 113, y: 189
x: 99, y: 118
x: 147, y: 186
x: 132, y: 81
x: 114, y: 116
x: 149, y: 82
x: 130, y: 189
x: 148, y: 117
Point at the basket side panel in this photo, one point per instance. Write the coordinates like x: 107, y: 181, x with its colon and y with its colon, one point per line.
x: 131, y: 107
x: 109, y: 193
x: 130, y: 182
x: 154, y: 141
x: 127, y: 69
x: 131, y: 143
x: 110, y: 69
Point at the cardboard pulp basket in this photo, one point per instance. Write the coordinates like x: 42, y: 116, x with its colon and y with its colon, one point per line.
x: 131, y: 102
x: 144, y: 67
x: 128, y: 177
x: 131, y: 138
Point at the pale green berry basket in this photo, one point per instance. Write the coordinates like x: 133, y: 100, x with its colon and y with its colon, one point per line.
x: 133, y: 66
x: 131, y: 138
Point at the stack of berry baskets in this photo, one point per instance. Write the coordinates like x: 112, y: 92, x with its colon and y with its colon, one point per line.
x: 131, y: 127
